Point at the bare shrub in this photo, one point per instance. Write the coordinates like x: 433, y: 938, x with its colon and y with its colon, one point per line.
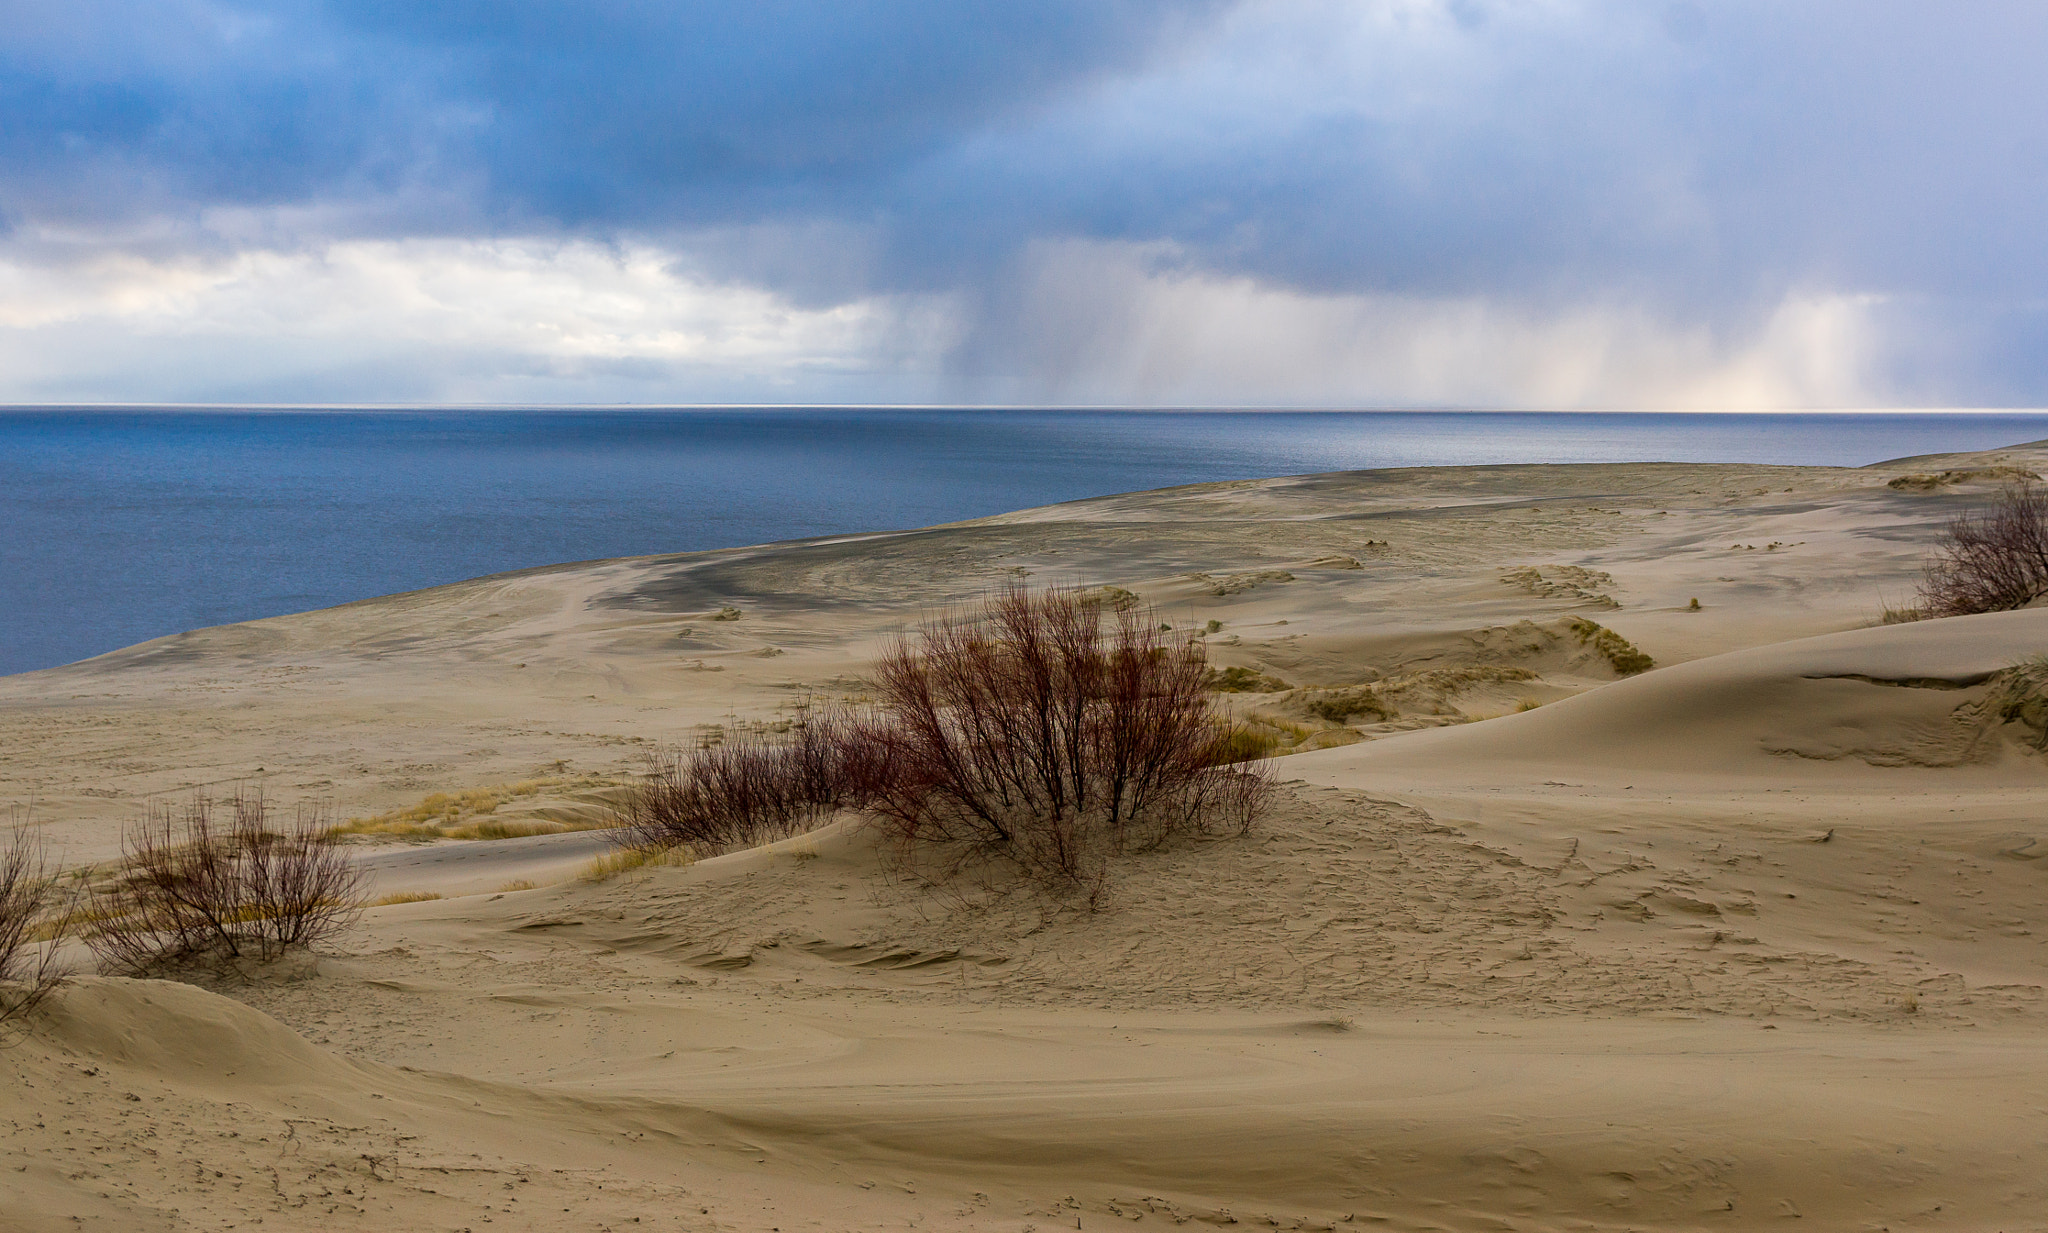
x: 28, y: 900
x: 194, y: 886
x: 748, y: 788
x: 1990, y: 560
x: 1051, y: 732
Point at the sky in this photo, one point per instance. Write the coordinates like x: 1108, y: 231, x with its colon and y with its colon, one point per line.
x: 1737, y: 204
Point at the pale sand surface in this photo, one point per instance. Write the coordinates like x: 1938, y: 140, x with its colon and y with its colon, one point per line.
x: 1746, y: 940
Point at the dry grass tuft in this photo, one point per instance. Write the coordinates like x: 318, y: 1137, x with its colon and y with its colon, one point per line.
x: 1237, y: 584
x: 1930, y: 482
x: 468, y: 814
x: 1339, y: 705
x: 1242, y: 680
x: 1619, y: 652
x: 625, y: 860
x: 1247, y: 742
x: 1116, y: 599
x: 405, y: 897
x: 1432, y: 692
x: 2019, y: 695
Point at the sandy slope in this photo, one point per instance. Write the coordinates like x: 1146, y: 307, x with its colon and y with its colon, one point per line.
x: 1747, y: 938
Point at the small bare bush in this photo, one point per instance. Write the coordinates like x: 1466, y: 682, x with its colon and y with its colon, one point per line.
x: 29, y: 971
x: 1990, y: 560
x: 196, y: 886
x: 748, y: 788
x: 1052, y: 732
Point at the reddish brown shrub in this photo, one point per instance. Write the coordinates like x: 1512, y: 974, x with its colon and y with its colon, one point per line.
x: 28, y: 971
x: 1045, y: 730
x: 1054, y: 735
x: 747, y: 789
x: 194, y: 887
x: 1990, y: 560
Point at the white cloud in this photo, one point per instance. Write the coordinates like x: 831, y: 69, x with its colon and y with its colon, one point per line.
x: 446, y: 320
x: 1079, y: 323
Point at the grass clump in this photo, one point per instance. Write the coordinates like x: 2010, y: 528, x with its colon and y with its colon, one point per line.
x: 2020, y: 695
x: 1340, y: 705
x: 469, y: 814
x: 405, y: 897
x: 1242, y: 681
x: 1622, y: 655
x: 1246, y: 742
x: 1431, y: 692
x: 196, y: 886
x: 625, y: 860
x: 1930, y: 482
x: 1116, y: 599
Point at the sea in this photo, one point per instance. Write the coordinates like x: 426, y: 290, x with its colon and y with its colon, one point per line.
x: 118, y: 525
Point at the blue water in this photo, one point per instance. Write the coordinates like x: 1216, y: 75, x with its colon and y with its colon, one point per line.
x: 119, y: 526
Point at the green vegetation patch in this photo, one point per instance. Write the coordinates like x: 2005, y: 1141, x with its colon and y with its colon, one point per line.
x: 1930, y: 481
x: 2020, y: 695
x: 1626, y: 658
x: 1339, y: 705
x: 1243, y: 681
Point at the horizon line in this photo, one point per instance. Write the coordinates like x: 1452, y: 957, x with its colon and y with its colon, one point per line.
x: 1139, y: 408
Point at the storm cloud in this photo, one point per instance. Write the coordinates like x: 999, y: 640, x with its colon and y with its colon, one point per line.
x: 1284, y: 202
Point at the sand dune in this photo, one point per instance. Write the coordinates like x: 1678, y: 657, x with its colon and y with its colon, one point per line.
x: 1747, y: 937
x: 1809, y: 709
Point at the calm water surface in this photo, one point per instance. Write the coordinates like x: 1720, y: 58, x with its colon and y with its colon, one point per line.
x: 119, y: 526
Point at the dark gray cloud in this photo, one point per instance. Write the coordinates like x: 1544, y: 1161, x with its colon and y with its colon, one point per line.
x: 636, y: 114
x: 1699, y: 164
